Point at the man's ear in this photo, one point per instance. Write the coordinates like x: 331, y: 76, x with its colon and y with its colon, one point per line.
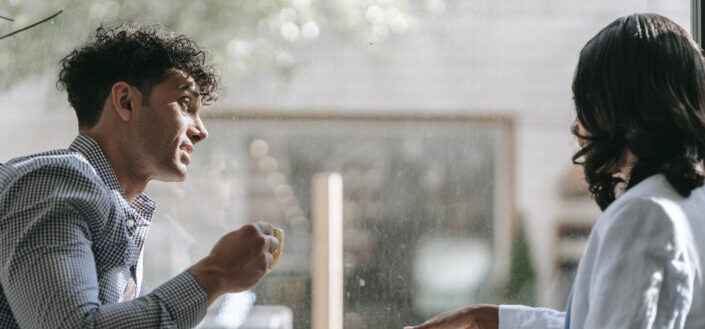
x: 124, y: 98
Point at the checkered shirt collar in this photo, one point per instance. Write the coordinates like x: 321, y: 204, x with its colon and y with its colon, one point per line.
x: 87, y: 146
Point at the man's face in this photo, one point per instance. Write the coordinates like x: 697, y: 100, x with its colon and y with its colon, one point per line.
x: 168, y: 127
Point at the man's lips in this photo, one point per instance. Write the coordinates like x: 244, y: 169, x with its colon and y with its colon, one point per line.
x: 188, y: 149
x: 187, y: 156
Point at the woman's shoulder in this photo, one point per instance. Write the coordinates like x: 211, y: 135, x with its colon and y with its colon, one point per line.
x: 651, y: 210
x: 651, y: 195
x: 655, y: 186
x: 641, y: 211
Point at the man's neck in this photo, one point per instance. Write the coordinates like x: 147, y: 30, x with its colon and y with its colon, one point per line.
x: 130, y: 182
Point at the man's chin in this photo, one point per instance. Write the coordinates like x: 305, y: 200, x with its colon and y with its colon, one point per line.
x: 176, y: 175
x: 181, y: 175
x: 180, y: 178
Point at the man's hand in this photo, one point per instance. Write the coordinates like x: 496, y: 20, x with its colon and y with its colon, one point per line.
x: 237, y: 262
x: 471, y: 317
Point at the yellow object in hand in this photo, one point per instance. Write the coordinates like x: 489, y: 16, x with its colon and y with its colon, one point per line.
x: 279, y: 234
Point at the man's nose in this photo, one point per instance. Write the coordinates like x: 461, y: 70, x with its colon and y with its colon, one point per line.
x: 198, y: 131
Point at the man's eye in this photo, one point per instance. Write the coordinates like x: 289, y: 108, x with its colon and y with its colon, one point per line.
x: 185, y: 103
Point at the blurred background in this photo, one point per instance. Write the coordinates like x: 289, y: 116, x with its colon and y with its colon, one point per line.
x: 448, y: 121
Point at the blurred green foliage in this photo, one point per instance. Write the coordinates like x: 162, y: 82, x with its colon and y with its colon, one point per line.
x: 521, y: 285
x: 240, y: 35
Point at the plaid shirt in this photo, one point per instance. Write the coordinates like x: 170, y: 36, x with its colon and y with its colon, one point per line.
x: 70, y: 242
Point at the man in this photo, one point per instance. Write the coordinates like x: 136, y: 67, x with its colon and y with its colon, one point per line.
x: 73, y: 222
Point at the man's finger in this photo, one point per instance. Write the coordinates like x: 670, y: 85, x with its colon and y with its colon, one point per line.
x: 270, y: 259
x: 265, y: 227
x: 272, y: 243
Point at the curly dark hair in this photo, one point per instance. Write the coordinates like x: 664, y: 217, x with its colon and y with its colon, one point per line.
x: 640, y: 86
x: 140, y: 55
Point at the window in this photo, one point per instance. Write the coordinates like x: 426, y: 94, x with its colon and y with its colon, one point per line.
x: 423, y: 222
x: 448, y: 121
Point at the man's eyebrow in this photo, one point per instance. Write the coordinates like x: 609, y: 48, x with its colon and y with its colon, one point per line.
x: 191, y: 89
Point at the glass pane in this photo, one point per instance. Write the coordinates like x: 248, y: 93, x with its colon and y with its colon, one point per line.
x: 413, y: 205
x: 448, y: 120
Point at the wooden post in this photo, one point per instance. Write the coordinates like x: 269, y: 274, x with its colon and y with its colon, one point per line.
x: 327, y: 271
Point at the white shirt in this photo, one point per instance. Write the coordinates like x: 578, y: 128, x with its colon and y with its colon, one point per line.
x: 642, y: 266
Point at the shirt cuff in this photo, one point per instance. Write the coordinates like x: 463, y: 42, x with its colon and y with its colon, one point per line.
x: 185, y: 300
x: 510, y: 316
x: 520, y: 316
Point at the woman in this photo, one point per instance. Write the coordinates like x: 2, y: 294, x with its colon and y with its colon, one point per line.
x: 639, y: 92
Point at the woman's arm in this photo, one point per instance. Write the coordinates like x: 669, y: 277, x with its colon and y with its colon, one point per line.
x: 496, y: 317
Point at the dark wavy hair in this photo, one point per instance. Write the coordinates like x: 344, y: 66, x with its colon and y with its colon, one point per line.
x: 140, y: 55
x: 640, y: 86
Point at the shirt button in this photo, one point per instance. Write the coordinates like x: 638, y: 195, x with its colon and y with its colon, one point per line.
x: 130, y: 222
